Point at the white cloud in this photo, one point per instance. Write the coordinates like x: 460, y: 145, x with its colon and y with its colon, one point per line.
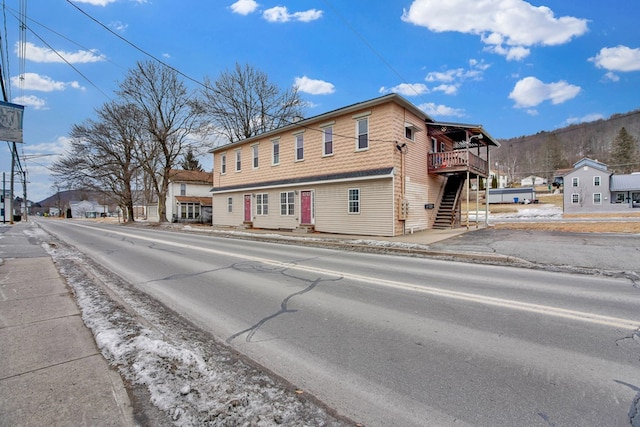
x: 447, y: 89
x: 96, y: 2
x: 592, y: 117
x: 31, y: 101
x: 530, y: 92
x: 611, y: 76
x: 452, y: 79
x: 508, y: 27
x: 244, y: 7
x: 118, y: 26
x: 33, y: 81
x: 281, y: 14
x: 440, y: 110
x: 619, y: 58
x: 406, y: 89
x: 42, y: 54
x: 314, y: 87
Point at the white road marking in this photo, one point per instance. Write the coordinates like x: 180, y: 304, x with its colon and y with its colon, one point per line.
x: 614, y: 322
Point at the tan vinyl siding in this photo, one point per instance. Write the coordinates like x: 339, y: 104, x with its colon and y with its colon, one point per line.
x: 376, y: 208
x: 220, y: 214
x: 345, y: 158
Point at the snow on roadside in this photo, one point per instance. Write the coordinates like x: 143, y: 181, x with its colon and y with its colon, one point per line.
x: 188, y: 376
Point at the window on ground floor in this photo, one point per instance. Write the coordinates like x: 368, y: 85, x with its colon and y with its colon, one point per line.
x: 354, y: 200
x: 189, y: 210
x: 597, y: 198
x: 575, y: 198
x: 262, y: 204
x: 287, y: 203
x: 230, y: 204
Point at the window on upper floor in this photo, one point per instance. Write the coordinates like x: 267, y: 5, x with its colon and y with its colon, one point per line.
x: 238, y: 160
x: 223, y: 163
x: 299, y: 147
x: 255, y: 152
x: 362, y: 132
x: 275, y: 152
x: 596, y: 181
x: 434, y: 145
x: 575, y: 182
x: 183, y: 189
x: 327, y: 141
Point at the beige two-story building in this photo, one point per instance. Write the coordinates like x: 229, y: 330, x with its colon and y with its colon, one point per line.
x: 380, y: 167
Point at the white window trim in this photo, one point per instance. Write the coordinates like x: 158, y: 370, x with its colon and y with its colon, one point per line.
x: 229, y: 204
x: 223, y: 164
x: 357, y: 122
x: 599, y: 178
x: 287, y: 204
x: 295, y: 146
x: 260, y: 204
x: 238, y: 156
x: 324, y: 153
x: 255, y: 156
x: 575, y: 182
x: 594, y: 198
x: 577, y: 197
x: 349, y: 201
x: 275, y: 142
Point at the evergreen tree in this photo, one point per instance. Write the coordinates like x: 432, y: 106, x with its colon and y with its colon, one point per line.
x: 190, y: 162
x: 624, y: 153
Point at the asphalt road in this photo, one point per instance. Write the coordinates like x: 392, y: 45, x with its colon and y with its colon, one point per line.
x: 390, y: 340
x: 595, y: 251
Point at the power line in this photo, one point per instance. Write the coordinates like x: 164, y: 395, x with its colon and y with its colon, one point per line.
x: 136, y: 46
x: 143, y: 51
x: 23, y: 52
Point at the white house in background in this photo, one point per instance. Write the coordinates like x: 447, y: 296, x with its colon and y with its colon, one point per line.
x: 532, y: 180
x: 590, y: 187
x: 88, y: 209
x: 501, y: 178
x: 189, y: 196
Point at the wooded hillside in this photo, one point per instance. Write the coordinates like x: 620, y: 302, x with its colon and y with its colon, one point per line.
x: 545, y: 152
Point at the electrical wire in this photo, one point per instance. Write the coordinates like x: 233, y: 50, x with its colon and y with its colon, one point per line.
x: 130, y: 43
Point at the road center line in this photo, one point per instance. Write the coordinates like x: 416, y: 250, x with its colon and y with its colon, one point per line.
x: 393, y: 284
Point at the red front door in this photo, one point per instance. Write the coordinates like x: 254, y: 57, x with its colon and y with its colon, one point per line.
x: 305, y: 207
x: 247, y: 208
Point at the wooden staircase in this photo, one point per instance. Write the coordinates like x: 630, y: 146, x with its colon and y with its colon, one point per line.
x: 447, y: 213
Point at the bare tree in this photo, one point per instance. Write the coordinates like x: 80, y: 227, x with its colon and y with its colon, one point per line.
x: 242, y: 103
x: 101, y: 156
x: 170, y: 117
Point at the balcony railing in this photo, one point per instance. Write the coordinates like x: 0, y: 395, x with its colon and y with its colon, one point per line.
x: 458, y: 161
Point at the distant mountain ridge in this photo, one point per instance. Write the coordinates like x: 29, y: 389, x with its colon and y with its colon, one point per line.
x: 538, y: 154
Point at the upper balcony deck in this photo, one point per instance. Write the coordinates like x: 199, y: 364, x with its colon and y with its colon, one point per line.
x: 458, y: 161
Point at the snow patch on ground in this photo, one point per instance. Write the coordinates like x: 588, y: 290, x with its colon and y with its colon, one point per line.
x: 191, y: 378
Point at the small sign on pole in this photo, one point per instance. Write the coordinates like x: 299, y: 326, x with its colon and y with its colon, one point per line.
x: 11, y: 122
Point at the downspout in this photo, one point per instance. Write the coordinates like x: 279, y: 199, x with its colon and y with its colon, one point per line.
x: 486, y: 190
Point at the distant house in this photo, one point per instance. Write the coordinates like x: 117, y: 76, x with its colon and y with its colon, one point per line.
x: 88, y: 209
x: 533, y: 180
x: 189, y: 196
x: 501, y: 179
x: 591, y: 187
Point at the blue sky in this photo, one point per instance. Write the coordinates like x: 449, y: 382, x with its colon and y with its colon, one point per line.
x: 517, y: 67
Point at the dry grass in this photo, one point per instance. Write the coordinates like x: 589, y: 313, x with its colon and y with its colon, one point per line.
x: 574, y: 227
x: 598, y: 225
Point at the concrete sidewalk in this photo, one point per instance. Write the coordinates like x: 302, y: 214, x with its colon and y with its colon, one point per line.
x: 52, y: 372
